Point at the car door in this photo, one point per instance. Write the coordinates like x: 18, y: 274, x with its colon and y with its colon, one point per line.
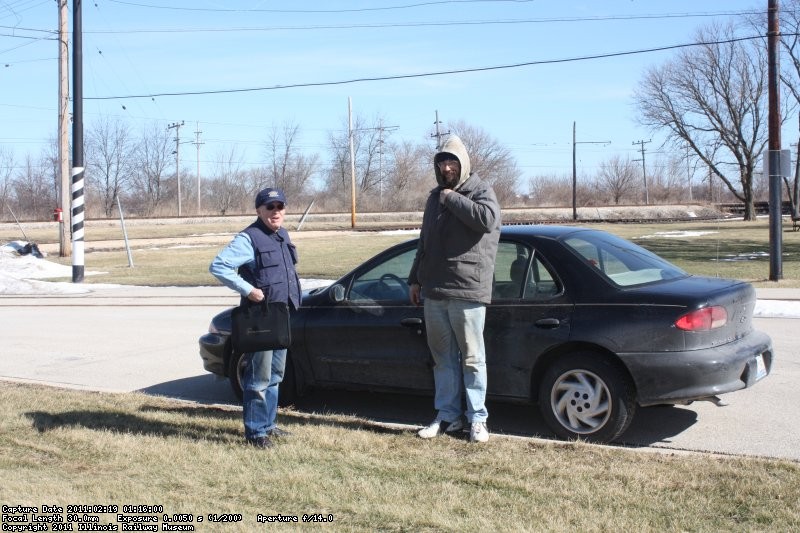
x: 374, y: 337
x: 529, y: 314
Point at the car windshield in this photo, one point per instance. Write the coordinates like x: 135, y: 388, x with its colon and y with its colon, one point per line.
x: 625, y: 264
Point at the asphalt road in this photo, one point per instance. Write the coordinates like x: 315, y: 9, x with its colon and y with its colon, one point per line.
x: 145, y: 339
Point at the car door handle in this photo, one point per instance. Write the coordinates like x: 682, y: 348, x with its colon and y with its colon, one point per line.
x: 548, y: 323
x: 411, y: 322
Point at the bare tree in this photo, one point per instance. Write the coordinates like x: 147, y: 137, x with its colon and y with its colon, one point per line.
x: 666, y: 179
x: 409, y: 176
x: 6, y: 172
x: 33, y: 190
x: 713, y: 95
x: 229, y: 187
x: 490, y: 160
x: 553, y: 190
x: 618, y: 178
x: 109, y: 156
x: 366, y: 149
x: 152, y: 158
x: 291, y: 170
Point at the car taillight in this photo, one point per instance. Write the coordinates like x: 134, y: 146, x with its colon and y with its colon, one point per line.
x: 703, y: 319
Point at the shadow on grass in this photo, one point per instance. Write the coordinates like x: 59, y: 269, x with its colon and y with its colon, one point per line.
x: 129, y: 423
x: 651, y: 426
x: 134, y: 424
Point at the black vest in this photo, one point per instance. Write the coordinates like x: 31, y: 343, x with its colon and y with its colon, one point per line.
x: 275, y: 257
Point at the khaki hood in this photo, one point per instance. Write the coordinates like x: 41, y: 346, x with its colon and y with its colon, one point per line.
x: 453, y: 146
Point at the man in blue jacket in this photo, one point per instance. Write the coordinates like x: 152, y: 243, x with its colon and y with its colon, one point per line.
x: 453, y: 271
x: 259, y: 263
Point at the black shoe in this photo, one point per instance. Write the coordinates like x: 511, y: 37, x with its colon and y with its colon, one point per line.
x: 260, y: 442
x: 278, y: 433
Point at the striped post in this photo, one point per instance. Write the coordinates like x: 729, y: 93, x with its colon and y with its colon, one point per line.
x: 77, y: 225
x: 77, y: 143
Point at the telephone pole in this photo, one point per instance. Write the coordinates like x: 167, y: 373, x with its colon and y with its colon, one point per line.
x: 63, y: 132
x: 438, y: 135
x: 177, y: 127
x: 575, y: 172
x: 644, y: 170
x: 774, y: 141
x: 381, y: 129
x: 197, y: 143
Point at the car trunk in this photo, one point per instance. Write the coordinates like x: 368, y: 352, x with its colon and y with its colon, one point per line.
x: 737, y: 298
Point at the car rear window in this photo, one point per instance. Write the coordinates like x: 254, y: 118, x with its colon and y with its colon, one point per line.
x: 624, y: 263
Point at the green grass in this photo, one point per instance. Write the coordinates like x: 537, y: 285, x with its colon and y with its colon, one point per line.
x: 65, y: 447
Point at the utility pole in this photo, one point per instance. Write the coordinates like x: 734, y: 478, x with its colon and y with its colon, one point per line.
x: 177, y: 127
x: 774, y: 121
x: 197, y: 143
x: 352, y: 163
x: 63, y: 132
x: 77, y: 206
x: 438, y: 135
x: 575, y: 170
x: 644, y: 170
x: 381, y: 128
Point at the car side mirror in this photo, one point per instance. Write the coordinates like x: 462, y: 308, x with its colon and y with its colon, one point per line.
x: 336, y: 293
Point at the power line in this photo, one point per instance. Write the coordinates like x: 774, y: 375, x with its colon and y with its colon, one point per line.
x: 428, y: 74
x: 449, y: 23
x: 353, y: 10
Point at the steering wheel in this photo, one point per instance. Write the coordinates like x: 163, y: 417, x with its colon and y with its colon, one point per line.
x: 389, y: 278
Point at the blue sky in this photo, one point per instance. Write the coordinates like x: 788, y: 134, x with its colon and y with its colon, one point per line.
x: 153, y: 47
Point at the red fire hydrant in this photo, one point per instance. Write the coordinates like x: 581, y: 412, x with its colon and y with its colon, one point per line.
x: 57, y: 215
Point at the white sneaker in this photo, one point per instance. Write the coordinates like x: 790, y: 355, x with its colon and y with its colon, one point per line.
x: 478, y: 432
x: 439, y: 426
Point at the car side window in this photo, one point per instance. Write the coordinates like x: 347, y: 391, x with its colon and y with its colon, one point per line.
x: 520, y: 273
x: 386, y: 281
x: 510, y: 268
x: 540, y: 282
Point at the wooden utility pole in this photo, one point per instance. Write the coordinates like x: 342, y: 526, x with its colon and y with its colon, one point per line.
x: 197, y: 143
x: 352, y: 163
x: 177, y: 127
x: 438, y: 134
x: 64, y: 247
x: 644, y: 170
x: 575, y: 170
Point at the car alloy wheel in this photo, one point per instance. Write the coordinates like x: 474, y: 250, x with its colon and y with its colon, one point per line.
x: 585, y: 396
x: 580, y: 401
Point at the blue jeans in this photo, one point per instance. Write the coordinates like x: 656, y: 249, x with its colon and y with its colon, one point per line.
x: 455, y: 338
x: 261, y: 376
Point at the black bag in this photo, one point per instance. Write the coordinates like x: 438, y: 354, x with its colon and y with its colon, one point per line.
x: 260, y: 326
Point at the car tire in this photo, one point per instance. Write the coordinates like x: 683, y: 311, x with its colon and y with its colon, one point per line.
x: 287, y: 390
x: 587, y: 396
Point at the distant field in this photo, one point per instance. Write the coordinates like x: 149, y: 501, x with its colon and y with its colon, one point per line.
x: 329, y: 247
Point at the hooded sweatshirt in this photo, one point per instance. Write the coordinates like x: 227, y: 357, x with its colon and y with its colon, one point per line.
x: 458, y: 240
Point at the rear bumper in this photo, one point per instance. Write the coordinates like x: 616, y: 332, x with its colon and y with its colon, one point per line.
x: 675, y: 377
x: 212, y: 352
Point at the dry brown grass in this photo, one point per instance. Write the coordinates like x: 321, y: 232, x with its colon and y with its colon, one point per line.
x: 64, y: 447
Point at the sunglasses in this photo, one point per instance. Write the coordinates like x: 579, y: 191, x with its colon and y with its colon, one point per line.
x: 275, y: 206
